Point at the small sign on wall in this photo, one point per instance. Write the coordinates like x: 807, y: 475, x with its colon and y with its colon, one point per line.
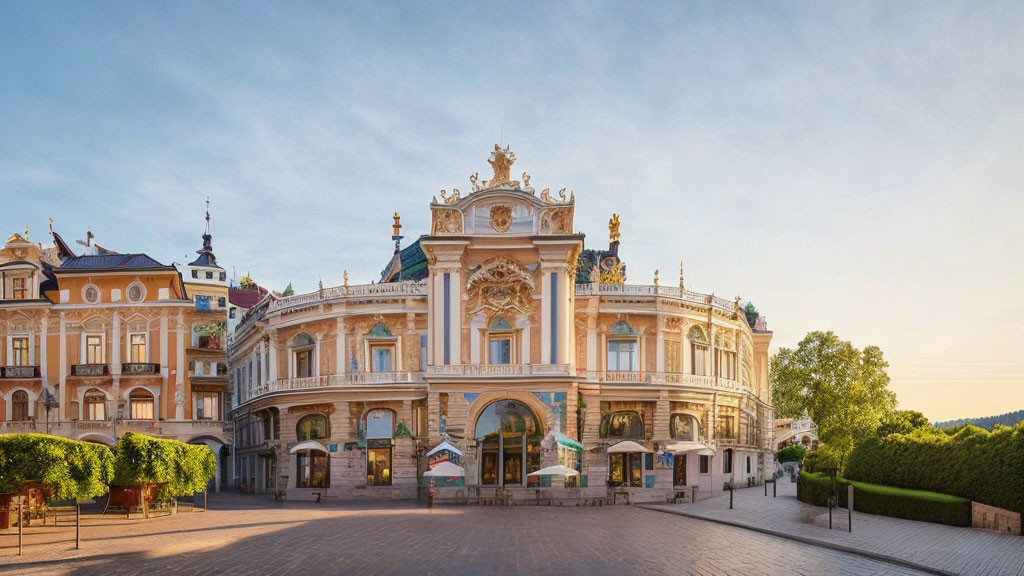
x: 333, y: 447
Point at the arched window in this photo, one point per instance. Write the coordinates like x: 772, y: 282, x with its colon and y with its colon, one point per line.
x: 500, y: 337
x: 95, y: 405
x: 622, y: 424
x: 698, y: 351
x: 510, y: 433
x: 313, y: 427
x: 683, y: 427
x: 19, y: 406
x: 141, y: 404
x: 727, y: 461
x: 302, y: 350
x: 380, y: 428
x: 622, y: 348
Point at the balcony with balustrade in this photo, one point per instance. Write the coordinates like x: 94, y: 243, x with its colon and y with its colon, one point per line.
x: 340, y: 381
x: 671, y: 292
x: 20, y: 372
x: 90, y: 370
x: 660, y: 378
x: 472, y: 371
x: 342, y: 293
x: 140, y: 369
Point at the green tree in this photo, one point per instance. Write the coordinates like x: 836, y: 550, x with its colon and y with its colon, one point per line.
x: 69, y: 469
x: 791, y: 453
x: 843, y: 389
x: 902, y: 422
x: 288, y: 291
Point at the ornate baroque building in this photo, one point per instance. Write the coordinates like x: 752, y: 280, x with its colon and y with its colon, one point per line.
x: 101, y: 343
x: 500, y: 334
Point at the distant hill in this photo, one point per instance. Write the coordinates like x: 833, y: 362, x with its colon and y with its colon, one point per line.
x: 988, y: 422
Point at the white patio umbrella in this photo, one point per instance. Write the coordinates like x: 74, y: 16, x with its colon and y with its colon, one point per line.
x: 446, y: 470
x: 559, y: 470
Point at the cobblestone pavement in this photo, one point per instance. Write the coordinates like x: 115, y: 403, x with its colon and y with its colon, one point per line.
x: 247, y: 535
x: 941, y: 548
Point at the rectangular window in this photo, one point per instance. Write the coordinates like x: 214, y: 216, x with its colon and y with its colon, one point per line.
x: 231, y: 312
x: 748, y: 464
x: 94, y: 350
x: 673, y: 359
x: 303, y: 365
x: 622, y: 355
x: 705, y: 464
x: 698, y: 354
x: 312, y: 470
x: 727, y: 462
x: 195, y: 273
x: 221, y: 302
x: 423, y: 352
x: 500, y: 350
x: 209, y: 275
x: 378, y: 466
x: 223, y: 276
x: 203, y: 303
x: 725, y: 364
x: 207, y: 405
x: 381, y: 358
x: 727, y: 427
x: 19, y: 288
x: 138, y: 348
x: 20, y: 348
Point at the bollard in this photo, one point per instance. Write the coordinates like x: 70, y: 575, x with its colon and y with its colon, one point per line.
x: 205, y: 494
x: 849, y: 506
x: 78, y: 524
x: 730, y: 496
x: 775, y: 489
x: 21, y: 522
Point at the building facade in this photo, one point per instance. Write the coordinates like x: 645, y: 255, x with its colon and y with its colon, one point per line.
x: 499, y: 333
x: 96, y: 345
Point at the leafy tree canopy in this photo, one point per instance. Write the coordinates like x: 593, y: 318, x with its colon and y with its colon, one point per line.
x: 843, y: 389
x: 69, y: 469
x: 902, y: 422
x: 141, y: 459
x: 288, y: 291
x: 791, y: 453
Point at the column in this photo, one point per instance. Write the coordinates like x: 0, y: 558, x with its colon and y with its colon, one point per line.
x: 62, y: 375
x: 455, y: 315
x: 660, y: 344
x: 545, y: 315
x: 437, y: 321
x: 181, y: 367
x: 592, y: 344
x: 164, y: 370
x: 317, y: 360
x: 31, y: 347
x: 339, y: 347
x: 115, y: 361
x: 44, y: 324
x: 272, y: 359
x: 563, y: 302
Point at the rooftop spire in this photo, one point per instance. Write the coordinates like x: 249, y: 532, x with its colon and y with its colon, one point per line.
x: 206, y: 257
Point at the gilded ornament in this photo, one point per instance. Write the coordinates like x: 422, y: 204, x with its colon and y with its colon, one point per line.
x: 526, y: 183
x: 501, y: 161
x: 447, y: 222
x: 450, y: 199
x: 501, y: 217
x: 613, y: 229
x: 501, y: 285
x: 613, y: 274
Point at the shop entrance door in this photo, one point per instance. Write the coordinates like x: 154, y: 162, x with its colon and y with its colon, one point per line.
x: 679, y: 470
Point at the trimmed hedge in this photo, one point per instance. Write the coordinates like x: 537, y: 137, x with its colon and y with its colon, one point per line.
x: 70, y: 469
x: 888, y: 501
x: 791, y: 453
x: 141, y: 459
x: 986, y: 467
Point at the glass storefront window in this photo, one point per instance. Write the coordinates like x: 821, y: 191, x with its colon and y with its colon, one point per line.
x: 312, y: 468
x: 510, y: 450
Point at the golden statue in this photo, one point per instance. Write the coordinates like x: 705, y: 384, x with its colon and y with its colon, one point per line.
x: 26, y: 232
x: 396, y: 228
x: 613, y: 229
x: 501, y: 161
x: 344, y: 275
x: 246, y: 282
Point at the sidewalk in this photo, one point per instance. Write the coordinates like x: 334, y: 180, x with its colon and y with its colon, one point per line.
x: 932, y: 547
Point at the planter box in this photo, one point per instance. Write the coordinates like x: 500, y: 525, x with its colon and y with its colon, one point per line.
x: 994, y: 519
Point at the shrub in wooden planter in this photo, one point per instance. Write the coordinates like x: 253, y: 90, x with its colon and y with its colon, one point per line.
x: 183, y: 469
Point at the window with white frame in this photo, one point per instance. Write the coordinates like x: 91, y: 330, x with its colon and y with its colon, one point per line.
x: 94, y: 349
x: 622, y: 348
x: 302, y: 350
x: 381, y: 345
x: 698, y: 351
x: 137, y: 348
x: 500, y: 342
x: 19, y: 351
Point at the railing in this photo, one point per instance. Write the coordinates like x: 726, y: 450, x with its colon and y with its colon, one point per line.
x: 332, y: 380
x: 140, y: 368
x: 477, y: 370
x: 90, y: 369
x: 639, y: 377
x: 19, y: 372
x: 662, y: 291
x: 363, y: 290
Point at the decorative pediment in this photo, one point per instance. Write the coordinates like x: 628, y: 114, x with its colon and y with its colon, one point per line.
x: 501, y: 285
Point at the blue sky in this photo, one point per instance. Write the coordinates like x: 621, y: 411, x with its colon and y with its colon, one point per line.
x: 846, y: 166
